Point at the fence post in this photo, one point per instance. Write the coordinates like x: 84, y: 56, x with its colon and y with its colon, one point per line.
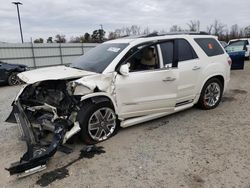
x: 82, y: 49
x: 60, y: 49
x: 33, y: 54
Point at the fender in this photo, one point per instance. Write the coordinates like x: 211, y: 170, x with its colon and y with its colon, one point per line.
x: 209, y: 77
x: 97, y: 95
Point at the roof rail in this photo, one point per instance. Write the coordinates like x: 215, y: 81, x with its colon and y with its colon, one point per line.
x: 155, y: 34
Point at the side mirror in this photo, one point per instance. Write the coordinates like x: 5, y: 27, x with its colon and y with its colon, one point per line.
x: 124, y: 69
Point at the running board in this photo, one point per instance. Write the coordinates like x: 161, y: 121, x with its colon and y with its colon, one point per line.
x: 141, y: 119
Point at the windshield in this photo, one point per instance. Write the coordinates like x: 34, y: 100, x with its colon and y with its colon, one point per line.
x: 235, y: 46
x: 98, y: 58
x: 237, y: 43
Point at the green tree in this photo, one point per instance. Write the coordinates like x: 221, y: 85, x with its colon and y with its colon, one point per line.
x: 87, y: 37
x: 98, y: 35
x: 39, y: 40
x: 50, y: 40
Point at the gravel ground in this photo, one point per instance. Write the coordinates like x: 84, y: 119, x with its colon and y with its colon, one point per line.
x: 193, y: 148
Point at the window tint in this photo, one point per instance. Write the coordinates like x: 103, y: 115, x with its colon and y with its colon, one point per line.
x: 167, y: 50
x: 143, y: 58
x: 185, y: 50
x: 210, y: 46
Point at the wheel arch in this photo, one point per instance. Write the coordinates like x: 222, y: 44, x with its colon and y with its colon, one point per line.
x: 218, y: 76
x: 100, y: 97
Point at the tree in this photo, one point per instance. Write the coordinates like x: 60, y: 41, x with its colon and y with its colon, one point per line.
x: 210, y: 29
x: 135, y: 30
x: 40, y: 40
x: 218, y: 28
x: 98, y: 35
x: 234, y: 32
x: 247, y: 31
x: 50, y: 40
x: 87, y: 37
x: 60, y: 38
x: 194, y: 25
x: 176, y: 28
x: 75, y: 40
x: 112, y: 35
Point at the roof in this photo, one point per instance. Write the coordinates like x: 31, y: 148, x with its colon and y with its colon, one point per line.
x: 240, y: 39
x: 160, y: 36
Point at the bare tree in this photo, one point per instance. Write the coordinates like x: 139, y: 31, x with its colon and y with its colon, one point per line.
x: 175, y: 28
x: 135, y: 30
x: 247, y: 31
x: 60, y: 38
x: 218, y: 28
x: 194, y: 25
x: 210, y: 29
x: 146, y: 31
x: 234, y: 32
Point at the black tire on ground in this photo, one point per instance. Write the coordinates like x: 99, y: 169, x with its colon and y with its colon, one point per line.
x: 84, y: 115
x: 13, y: 79
x: 202, y: 103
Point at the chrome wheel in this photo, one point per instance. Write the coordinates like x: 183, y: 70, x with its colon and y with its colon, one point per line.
x: 102, y: 124
x: 212, y: 94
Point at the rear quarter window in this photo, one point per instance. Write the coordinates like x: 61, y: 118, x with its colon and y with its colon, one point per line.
x: 210, y: 46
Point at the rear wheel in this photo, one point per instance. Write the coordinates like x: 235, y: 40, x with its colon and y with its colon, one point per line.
x: 98, y: 122
x: 211, y: 94
x: 13, y: 79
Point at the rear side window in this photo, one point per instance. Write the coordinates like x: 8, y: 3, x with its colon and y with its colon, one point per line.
x: 210, y: 46
x: 185, y: 50
x: 167, y: 50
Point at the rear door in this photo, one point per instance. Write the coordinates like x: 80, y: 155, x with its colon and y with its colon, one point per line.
x: 189, y: 69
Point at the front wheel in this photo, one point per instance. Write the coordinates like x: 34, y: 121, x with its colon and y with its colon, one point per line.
x: 98, y: 122
x: 211, y: 94
x: 13, y: 79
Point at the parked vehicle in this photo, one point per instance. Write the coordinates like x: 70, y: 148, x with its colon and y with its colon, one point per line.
x: 8, y: 73
x: 237, y: 45
x: 238, y: 60
x: 223, y: 43
x: 119, y: 83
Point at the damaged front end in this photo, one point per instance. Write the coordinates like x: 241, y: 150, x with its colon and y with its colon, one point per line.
x: 43, y: 108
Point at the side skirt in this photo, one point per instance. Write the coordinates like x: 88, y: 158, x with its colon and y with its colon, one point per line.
x: 141, y: 119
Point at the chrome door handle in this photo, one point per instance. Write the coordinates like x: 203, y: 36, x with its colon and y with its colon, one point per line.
x: 196, y: 68
x: 168, y: 79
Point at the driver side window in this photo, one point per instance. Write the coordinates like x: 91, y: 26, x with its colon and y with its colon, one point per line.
x: 143, y: 58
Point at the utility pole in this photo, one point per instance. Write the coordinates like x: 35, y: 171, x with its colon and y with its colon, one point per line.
x: 18, y: 14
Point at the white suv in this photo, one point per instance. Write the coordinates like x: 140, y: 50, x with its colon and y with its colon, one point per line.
x: 119, y: 83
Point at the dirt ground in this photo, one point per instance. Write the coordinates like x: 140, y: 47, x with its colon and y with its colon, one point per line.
x: 193, y: 148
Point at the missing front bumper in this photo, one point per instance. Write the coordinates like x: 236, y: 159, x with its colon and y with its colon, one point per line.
x: 37, y: 154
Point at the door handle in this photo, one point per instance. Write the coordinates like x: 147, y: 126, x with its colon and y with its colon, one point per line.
x: 196, y: 68
x: 169, y: 79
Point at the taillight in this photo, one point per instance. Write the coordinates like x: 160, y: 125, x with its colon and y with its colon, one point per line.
x: 229, y: 60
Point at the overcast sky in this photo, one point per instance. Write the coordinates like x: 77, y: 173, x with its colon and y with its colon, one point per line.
x: 44, y: 18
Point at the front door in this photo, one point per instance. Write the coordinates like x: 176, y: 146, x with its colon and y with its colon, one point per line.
x: 149, y: 88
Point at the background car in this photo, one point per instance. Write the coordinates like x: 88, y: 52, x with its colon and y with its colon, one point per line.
x: 223, y: 43
x: 8, y: 73
x: 236, y: 45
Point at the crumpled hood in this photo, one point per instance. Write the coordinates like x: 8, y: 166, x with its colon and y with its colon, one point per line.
x: 52, y: 73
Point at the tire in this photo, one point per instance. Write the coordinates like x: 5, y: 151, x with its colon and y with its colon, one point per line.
x: 13, y: 79
x: 211, y: 94
x: 92, y: 126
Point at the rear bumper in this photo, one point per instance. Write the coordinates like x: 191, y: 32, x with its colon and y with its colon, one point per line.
x: 38, y: 153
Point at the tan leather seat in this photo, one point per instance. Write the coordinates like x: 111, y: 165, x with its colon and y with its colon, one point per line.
x: 148, y: 58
